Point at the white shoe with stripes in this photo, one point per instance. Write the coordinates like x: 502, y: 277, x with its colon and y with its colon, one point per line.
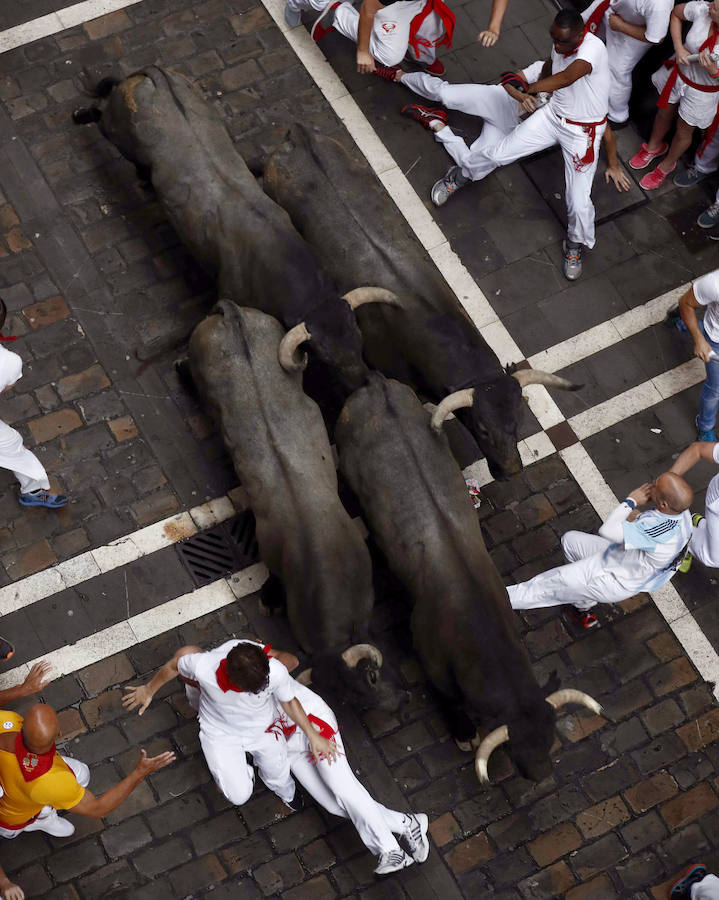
x: 415, y: 835
x: 392, y: 861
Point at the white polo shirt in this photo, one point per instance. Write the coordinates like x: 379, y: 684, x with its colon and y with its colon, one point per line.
x: 587, y: 99
x: 706, y: 291
x: 232, y: 712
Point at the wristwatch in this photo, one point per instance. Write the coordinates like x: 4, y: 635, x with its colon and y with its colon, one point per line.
x: 630, y: 503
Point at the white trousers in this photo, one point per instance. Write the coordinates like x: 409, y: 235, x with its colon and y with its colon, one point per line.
x: 583, y: 582
x: 708, y: 160
x: 336, y: 788
x: 82, y: 773
x: 226, y: 757
x: 624, y: 53
x: 706, y: 889
x: 389, y: 40
x: 24, y: 465
x: 704, y: 541
x: 507, y: 139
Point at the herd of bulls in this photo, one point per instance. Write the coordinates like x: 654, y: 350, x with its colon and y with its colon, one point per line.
x: 292, y: 254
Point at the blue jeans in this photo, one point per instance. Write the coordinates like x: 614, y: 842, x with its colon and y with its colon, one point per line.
x: 709, y: 397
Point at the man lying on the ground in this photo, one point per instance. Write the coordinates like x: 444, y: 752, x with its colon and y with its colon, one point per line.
x: 37, y: 781
x: 247, y: 702
x: 577, y: 75
x: 631, y: 553
x: 705, y: 537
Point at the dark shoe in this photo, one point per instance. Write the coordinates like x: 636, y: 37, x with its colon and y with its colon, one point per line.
x: 385, y: 72
x: 710, y: 217
x: 43, y: 498
x: 709, y: 436
x: 689, y: 177
x: 572, y: 261
x: 324, y: 23
x: 433, y: 68
x: 617, y: 126
x: 674, y: 320
x: 682, y: 890
x: 425, y: 115
x: 296, y: 803
x: 583, y: 618
x: 6, y: 649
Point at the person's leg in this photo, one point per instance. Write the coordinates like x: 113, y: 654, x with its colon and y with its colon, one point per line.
x: 579, y: 545
x: 663, y: 121
x: 706, y: 889
x: 227, y: 761
x: 390, y: 32
x: 26, y: 467
x: 709, y: 397
x: 624, y: 53
x: 536, y: 133
x: 707, y: 157
x: 431, y: 30
x: 578, y: 180
x: 680, y: 143
x: 273, y: 766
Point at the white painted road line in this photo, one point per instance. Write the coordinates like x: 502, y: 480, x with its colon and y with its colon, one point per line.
x: 59, y: 21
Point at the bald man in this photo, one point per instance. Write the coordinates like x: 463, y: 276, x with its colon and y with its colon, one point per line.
x: 633, y: 552
x: 37, y: 781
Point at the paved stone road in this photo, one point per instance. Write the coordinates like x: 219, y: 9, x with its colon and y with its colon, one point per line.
x: 95, y: 278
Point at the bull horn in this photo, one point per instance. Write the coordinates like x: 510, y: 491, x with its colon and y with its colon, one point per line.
x: 457, y: 400
x: 305, y: 677
x: 356, y: 652
x: 288, y: 347
x: 536, y: 376
x: 3, y: 312
x: 362, y: 295
x: 485, y: 750
x: 569, y: 695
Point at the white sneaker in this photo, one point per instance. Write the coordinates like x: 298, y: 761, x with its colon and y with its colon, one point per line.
x: 52, y: 824
x: 293, y: 17
x: 416, y: 836
x: 392, y: 862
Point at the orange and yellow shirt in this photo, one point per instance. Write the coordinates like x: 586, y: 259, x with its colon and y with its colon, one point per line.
x: 25, y: 792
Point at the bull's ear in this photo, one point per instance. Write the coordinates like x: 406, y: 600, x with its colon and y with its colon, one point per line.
x: 552, y: 684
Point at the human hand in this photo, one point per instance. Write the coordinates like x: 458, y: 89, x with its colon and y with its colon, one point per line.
x: 707, y: 61
x: 682, y: 56
x: 37, y: 678
x: 10, y: 891
x: 322, y: 748
x: 148, y: 764
x: 616, y: 22
x: 641, y: 494
x: 619, y: 177
x: 137, y: 696
x: 702, y: 349
x: 528, y: 103
x: 365, y: 62
x: 488, y: 37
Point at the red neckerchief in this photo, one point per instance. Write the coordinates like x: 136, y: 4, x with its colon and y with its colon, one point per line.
x: 594, y: 21
x: 223, y: 679
x: 32, y: 765
x: 567, y: 55
x: 663, y: 101
x: 448, y: 20
x: 287, y: 729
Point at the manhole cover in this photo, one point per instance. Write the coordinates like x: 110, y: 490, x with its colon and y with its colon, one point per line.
x: 221, y: 550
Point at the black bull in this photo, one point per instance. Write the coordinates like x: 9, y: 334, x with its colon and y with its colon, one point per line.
x: 281, y: 453
x: 426, y: 340
x: 160, y: 122
x: 417, y: 508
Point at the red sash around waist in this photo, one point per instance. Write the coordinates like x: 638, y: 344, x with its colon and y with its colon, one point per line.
x: 590, y: 129
x: 676, y: 72
x: 448, y: 19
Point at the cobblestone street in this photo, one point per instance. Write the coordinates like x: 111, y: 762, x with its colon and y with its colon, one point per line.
x: 102, y: 297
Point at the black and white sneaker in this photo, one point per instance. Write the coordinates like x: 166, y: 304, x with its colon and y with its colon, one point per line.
x: 392, y: 862
x: 296, y: 803
x: 450, y: 184
x: 572, y: 261
x: 415, y: 834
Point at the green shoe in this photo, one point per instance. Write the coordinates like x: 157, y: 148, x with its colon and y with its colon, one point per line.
x: 696, y: 519
x: 686, y: 563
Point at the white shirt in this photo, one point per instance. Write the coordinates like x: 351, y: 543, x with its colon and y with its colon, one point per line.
x: 706, y: 291
x: 232, y: 712
x: 697, y: 12
x: 587, y: 99
x: 654, y: 14
x: 711, y: 514
x: 641, y: 554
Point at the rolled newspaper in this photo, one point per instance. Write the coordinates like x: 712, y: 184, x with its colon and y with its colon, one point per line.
x: 694, y: 57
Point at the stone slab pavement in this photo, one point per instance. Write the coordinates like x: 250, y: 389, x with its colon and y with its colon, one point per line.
x: 99, y: 287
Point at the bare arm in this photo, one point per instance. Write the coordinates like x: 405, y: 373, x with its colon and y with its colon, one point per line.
x: 9, y: 890
x: 638, y: 32
x: 99, y: 807
x: 320, y: 746
x: 675, y: 30
x: 688, y: 304
x: 142, y: 696
x: 688, y: 458
x: 288, y: 660
x: 365, y: 62
x: 37, y: 678
x: 614, y: 169
x: 578, y: 69
x: 490, y: 35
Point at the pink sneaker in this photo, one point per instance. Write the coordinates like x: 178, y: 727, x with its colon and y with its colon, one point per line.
x: 643, y: 156
x: 655, y: 179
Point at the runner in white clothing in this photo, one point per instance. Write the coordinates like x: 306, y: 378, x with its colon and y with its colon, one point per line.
x: 577, y: 74
x: 628, y: 28
x: 705, y: 537
x: 239, y: 686
x: 706, y: 162
x: 704, y: 292
x: 632, y: 553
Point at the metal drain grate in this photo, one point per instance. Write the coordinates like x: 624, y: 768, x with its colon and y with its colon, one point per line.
x: 221, y: 550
